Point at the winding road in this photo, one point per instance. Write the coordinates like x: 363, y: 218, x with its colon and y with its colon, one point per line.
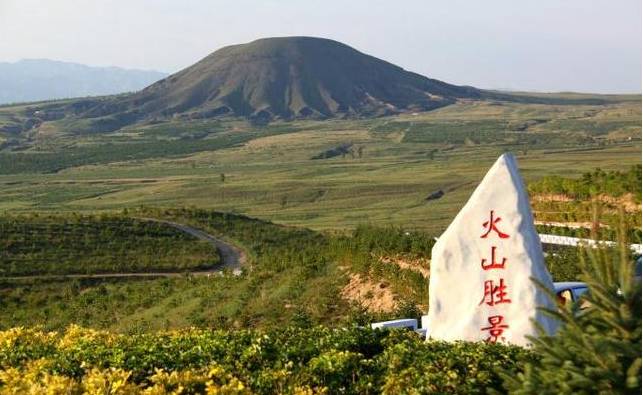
x: 232, y: 259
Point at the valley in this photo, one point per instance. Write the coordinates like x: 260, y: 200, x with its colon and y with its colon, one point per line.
x: 268, y: 172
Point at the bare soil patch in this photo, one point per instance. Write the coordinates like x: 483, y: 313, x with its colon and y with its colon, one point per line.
x: 551, y: 197
x: 376, y: 297
x: 626, y: 201
x: 420, y: 265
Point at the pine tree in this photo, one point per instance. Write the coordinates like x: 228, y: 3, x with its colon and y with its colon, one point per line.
x: 597, y: 349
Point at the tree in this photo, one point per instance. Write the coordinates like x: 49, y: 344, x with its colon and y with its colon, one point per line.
x: 222, y: 176
x: 597, y: 349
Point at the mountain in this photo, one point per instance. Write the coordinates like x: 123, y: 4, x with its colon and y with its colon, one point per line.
x: 43, y: 79
x: 284, y: 78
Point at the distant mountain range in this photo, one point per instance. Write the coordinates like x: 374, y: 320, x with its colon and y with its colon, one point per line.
x: 43, y: 79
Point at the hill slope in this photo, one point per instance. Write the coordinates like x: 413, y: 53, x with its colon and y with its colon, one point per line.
x: 286, y: 77
x: 43, y: 79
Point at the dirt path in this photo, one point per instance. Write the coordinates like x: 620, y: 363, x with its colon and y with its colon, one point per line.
x: 232, y: 258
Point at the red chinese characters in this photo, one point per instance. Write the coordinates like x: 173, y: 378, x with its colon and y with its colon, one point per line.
x: 491, y: 226
x: 492, y: 264
x: 496, y: 328
x: 495, y: 291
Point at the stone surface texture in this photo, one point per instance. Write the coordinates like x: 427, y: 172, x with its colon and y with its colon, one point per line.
x: 474, y: 296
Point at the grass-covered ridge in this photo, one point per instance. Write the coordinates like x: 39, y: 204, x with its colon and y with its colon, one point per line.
x: 86, y: 244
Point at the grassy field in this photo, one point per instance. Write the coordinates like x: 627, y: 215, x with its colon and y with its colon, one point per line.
x: 389, y: 167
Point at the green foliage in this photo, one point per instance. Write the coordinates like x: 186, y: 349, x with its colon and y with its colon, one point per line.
x: 52, y: 162
x: 292, y: 277
x: 86, y: 244
x: 131, y: 305
x: 611, y: 183
x: 498, y: 132
x: 364, y: 249
x: 287, y: 267
x: 563, y: 263
x: 455, y: 132
x: 454, y: 368
x: 349, y: 360
x: 598, y: 347
x: 633, y: 234
x: 590, y: 125
x: 407, y: 308
x: 391, y: 240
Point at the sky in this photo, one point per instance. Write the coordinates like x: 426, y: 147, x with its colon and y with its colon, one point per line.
x: 544, y: 45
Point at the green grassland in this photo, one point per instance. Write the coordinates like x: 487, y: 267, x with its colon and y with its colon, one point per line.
x: 393, y: 164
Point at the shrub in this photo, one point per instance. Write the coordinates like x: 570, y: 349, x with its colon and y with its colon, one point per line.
x: 288, y: 360
x: 597, y: 349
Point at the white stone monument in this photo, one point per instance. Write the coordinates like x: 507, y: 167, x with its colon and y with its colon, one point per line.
x: 481, y: 267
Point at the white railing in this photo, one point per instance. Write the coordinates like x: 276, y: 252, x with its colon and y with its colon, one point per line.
x: 575, y: 241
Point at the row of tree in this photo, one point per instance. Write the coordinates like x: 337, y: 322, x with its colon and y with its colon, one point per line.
x: 597, y: 182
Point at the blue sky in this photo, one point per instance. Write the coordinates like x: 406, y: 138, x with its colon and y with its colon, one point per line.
x: 545, y: 45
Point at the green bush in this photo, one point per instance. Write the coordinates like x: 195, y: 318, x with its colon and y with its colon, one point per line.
x: 598, y: 348
x: 611, y: 183
x: 563, y: 263
x: 351, y: 361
